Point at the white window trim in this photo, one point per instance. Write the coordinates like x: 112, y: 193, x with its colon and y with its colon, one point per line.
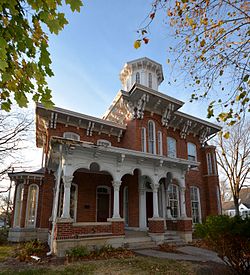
x: 199, y: 201
x: 188, y: 149
x: 19, y: 199
x: 154, y: 137
x: 209, y: 164
x: 175, y: 142
x: 27, y: 207
x: 109, y: 193
x: 144, y: 139
x: 71, y: 135
x: 159, y: 135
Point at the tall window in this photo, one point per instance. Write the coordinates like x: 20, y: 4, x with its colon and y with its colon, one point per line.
x: 191, y: 151
x: 32, y: 203
x: 159, y: 136
x: 151, y: 137
x: 171, y: 147
x: 209, y: 164
x: 143, y: 140
x: 173, y: 196
x: 215, y: 164
x: 18, y: 205
x: 195, y: 204
x: 137, y: 78
x: 150, y: 80
x: 71, y: 135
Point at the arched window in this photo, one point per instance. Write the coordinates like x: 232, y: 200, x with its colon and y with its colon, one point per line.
x: 143, y: 140
x: 137, y: 78
x: 150, y: 80
x: 73, y: 200
x: 151, y: 137
x: 173, y: 200
x: 195, y: 204
x: 191, y: 148
x: 18, y: 205
x: 71, y: 135
x: 171, y: 147
x: 159, y: 138
x: 32, y: 202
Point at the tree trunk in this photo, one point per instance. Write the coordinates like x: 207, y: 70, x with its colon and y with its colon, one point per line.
x: 236, y: 205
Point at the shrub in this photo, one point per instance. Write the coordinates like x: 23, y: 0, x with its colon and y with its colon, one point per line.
x: 35, y: 247
x: 78, y: 252
x: 4, y: 235
x: 230, y: 238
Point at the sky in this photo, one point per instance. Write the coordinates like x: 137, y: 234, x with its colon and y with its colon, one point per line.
x: 88, y: 55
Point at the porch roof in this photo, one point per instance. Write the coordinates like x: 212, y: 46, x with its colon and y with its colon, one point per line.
x: 120, y: 153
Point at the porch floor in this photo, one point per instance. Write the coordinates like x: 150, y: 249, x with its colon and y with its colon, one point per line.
x: 129, y: 233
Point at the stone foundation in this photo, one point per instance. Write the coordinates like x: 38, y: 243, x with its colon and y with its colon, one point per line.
x: 27, y: 234
x: 183, y: 227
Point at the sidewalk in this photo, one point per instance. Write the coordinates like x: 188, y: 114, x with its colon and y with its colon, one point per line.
x: 191, y: 253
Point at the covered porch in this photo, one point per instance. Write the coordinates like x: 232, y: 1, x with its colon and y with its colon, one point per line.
x: 101, y: 191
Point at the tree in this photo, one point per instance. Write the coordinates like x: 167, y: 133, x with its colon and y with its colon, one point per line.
x: 24, y: 56
x: 15, y: 130
x: 212, y: 49
x: 225, y: 190
x: 233, y: 156
x: 6, y: 208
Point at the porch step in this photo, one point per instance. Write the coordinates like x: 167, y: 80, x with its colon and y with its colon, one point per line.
x: 139, y: 243
x: 173, y: 238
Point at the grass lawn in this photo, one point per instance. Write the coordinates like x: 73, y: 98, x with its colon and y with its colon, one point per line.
x: 135, y: 265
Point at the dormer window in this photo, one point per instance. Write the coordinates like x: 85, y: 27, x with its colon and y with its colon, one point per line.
x: 150, y: 80
x: 71, y: 135
x: 137, y: 78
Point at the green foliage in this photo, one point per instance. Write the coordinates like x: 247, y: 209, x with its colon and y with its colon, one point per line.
x: 24, y: 57
x: 34, y: 247
x: 230, y: 238
x: 3, y: 235
x: 78, y: 252
x: 212, y: 48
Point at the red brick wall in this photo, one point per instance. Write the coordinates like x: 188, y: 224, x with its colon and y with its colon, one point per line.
x: 156, y: 226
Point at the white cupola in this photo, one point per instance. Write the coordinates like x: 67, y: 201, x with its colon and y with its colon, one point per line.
x: 143, y: 71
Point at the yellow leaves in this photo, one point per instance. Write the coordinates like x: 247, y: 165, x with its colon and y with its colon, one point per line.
x: 202, y: 43
x: 137, y: 44
x: 226, y: 135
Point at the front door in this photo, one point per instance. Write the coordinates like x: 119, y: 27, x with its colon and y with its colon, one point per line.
x: 102, y: 207
x: 149, y: 205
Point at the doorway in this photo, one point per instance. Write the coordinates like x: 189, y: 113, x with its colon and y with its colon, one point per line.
x: 149, y: 205
x: 103, y: 204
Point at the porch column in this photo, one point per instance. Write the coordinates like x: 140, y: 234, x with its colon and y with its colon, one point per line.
x: 183, y: 202
x: 116, y: 204
x: 142, y: 205
x: 67, y: 180
x: 155, y: 188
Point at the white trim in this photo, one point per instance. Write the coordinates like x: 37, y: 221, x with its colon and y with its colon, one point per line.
x: 169, y: 153
x: 177, y: 199
x: 109, y: 193
x: 27, y: 207
x: 71, y: 135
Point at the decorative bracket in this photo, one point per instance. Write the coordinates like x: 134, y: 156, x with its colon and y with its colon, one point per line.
x: 167, y: 115
x: 204, y: 134
x: 90, y: 128
x: 53, y: 120
x: 184, y: 130
x: 139, y: 107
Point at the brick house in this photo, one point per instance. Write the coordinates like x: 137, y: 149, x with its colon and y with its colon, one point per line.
x: 144, y: 166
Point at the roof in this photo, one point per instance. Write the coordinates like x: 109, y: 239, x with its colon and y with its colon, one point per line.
x: 23, y: 174
x: 244, y: 199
